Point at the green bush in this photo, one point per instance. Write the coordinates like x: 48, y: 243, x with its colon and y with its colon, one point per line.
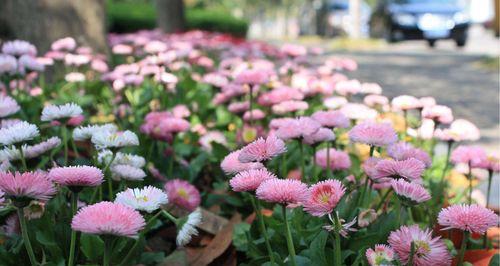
x: 125, y: 16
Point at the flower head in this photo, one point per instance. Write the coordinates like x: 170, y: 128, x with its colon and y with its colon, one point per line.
x: 339, y: 160
x: 182, y: 194
x: 147, y: 199
x: 402, y: 150
x: 18, y: 48
x: 405, y: 102
x: 262, y: 150
x: 473, y: 155
x: 410, y: 193
x: 324, y: 197
x: 107, y: 139
x: 374, y: 134
x: 286, y: 107
x: 323, y: 134
x: 428, y: 250
x: 8, y: 106
x: 76, y: 176
x: 331, y: 119
x: 107, y: 218
x: 473, y: 218
x: 409, y: 169
x: 297, y: 128
x: 57, y: 112
x: 283, y: 191
x: 380, y: 256
x: 27, y: 185
x: 86, y: 132
x: 187, y: 227
x: 438, y: 113
x: 127, y: 172
x: 18, y: 132
x: 252, y: 76
x: 232, y: 164
x: 250, y: 180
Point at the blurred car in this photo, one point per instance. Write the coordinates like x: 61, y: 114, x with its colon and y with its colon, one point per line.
x: 340, y: 21
x: 431, y: 20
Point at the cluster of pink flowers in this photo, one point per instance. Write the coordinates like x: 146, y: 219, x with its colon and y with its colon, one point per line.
x: 164, y: 125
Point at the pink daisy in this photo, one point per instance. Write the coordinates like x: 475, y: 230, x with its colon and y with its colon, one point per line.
x: 339, y: 160
x: 322, y: 135
x: 357, y: 111
x: 324, y: 197
x: 250, y: 180
x: 279, y: 95
x: 289, y: 106
x: 252, y: 76
x: 297, y: 128
x: 381, y: 255
x: 405, y: 102
x: 473, y: 218
x: 465, y: 130
x: 411, y: 193
x: 231, y: 163
x: 238, y: 107
x: 373, y: 100
x: 31, y: 185
x: 373, y: 134
x: 254, y: 115
x: 438, y: 113
x: 428, y: 250
x: 331, y: 119
x: 76, y: 176
x: 182, y: 194
x: 107, y: 218
x: 262, y: 150
x: 369, y: 167
x: 473, y: 155
x: 348, y: 87
x: 283, y: 191
x: 402, y: 150
x: 409, y: 169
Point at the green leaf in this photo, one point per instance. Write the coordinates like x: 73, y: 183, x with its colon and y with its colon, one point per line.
x: 239, y: 236
x: 91, y: 246
x: 317, y: 249
x: 495, y: 261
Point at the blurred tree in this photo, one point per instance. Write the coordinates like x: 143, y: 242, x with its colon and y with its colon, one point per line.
x: 43, y: 21
x: 170, y: 15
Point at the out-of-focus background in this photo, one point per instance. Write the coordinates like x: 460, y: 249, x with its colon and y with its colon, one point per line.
x: 447, y: 49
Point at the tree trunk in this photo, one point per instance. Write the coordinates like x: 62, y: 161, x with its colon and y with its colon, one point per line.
x: 355, y: 14
x: 170, y: 15
x: 43, y: 21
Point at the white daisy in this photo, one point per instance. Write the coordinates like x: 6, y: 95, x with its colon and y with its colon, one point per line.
x: 18, y: 132
x: 30, y: 151
x: 137, y: 161
x: 55, y: 112
x: 84, y: 133
x: 106, y: 139
x: 188, y: 227
x: 146, y: 199
x: 8, y: 106
x: 127, y: 172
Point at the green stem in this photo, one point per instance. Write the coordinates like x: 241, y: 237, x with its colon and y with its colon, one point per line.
x: 171, y: 162
x: 64, y: 133
x: 258, y: 212
x: 169, y: 216
x: 469, y: 177
x: 283, y: 166
x: 24, y: 232
x: 446, y: 165
x: 398, y: 212
x: 382, y: 200
x: 412, y: 254
x: 108, y: 175
x: 138, y: 240
x: 289, y: 240
x: 337, y: 250
x: 75, y: 149
x: 328, y: 169
x: 302, y: 161
x: 107, y: 251
x: 23, y: 159
x: 410, y: 215
x: 314, y: 177
x: 74, y: 204
x: 461, y: 253
x: 490, y: 176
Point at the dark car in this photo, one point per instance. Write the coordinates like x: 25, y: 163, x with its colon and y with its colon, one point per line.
x: 431, y: 20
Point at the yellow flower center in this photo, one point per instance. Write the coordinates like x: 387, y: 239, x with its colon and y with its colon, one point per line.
x: 182, y: 193
x: 142, y: 198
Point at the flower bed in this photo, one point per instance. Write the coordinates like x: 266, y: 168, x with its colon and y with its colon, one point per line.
x: 199, y: 148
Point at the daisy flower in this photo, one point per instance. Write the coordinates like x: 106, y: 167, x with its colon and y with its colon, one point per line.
x: 380, y: 256
x: 262, y: 150
x: 331, y: 119
x: 104, y: 157
x: 339, y: 160
x: 58, y: 112
x: 147, y: 199
x: 473, y: 218
x: 405, y: 102
x: 438, y: 113
x: 297, y: 128
x: 322, y: 135
x: 187, y: 227
x: 86, y: 132
x: 410, y: 193
x: 357, y: 111
x: 409, y: 169
x: 28, y: 185
x: 373, y: 134
x: 8, y: 64
x: 283, y: 191
x: 127, y: 172
x: 107, y: 218
x: 182, y: 194
x: 402, y: 150
x: 250, y: 180
x: 252, y: 76
x: 473, y: 155
x: 76, y: 176
x: 18, y: 132
x: 428, y: 250
x: 18, y: 48
x: 107, y: 139
x: 231, y: 164
x: 8, y: 106
x: 323, y: 197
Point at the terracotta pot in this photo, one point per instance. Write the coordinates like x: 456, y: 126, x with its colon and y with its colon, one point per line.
x: 478, y: 257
